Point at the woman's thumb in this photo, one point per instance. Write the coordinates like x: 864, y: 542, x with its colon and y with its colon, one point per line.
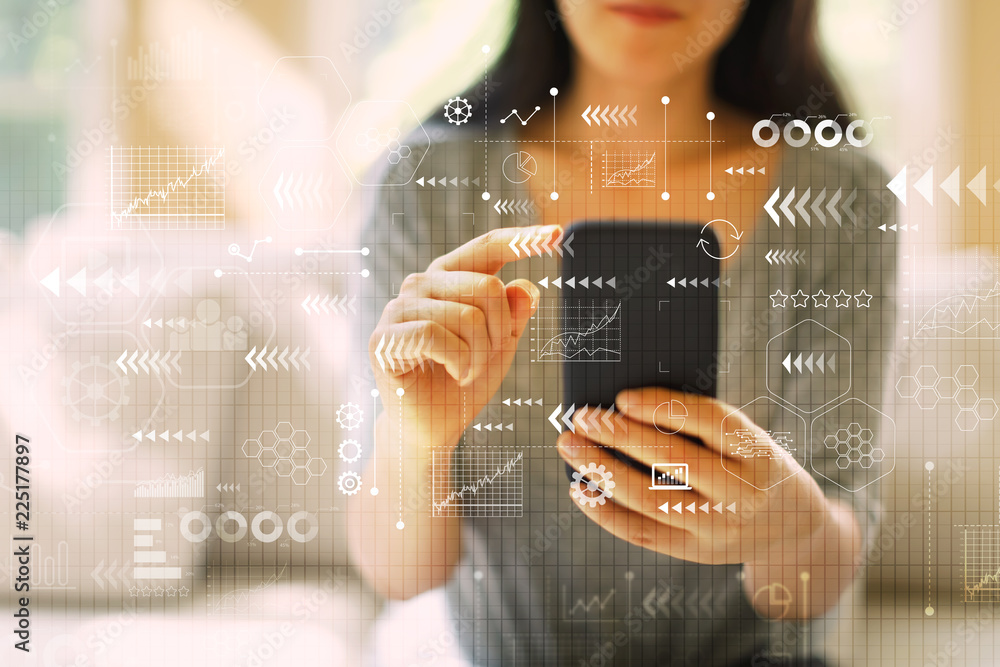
x: 522, y: 299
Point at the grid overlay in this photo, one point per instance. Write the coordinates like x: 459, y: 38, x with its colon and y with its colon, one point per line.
x: 167, y: 188
x: 481, y: 483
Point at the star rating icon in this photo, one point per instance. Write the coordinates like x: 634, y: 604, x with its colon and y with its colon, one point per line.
x: 821, y: 299
x: 842, y: 299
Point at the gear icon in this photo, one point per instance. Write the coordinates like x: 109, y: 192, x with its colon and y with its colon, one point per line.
x: 458, y: 110
x: 595, y: 490
x: 349, y: 483
x: 95, y: 391
x: 349, y: 416
x: 349, y: 450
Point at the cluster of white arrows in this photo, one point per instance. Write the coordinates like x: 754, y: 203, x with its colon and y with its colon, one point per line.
x: 822, y: 363
x: 407, y: 352
x: 105, y: 282
x: 536, y: 244
x: 192, y: 436
x: 679, y: 508
x: 951, y: 186
x: 313, y: 304
x: 493, y: 427
x: 784, y: 256
x: 528, y: 401
x: 227, y: 487
x: 608, y: 115
x: 148, y: 364
x: 444, y: 180
x: 572, y: 282
x: 311, y: 191
x: 695, y: 282
x: 749, y: 170
x: 816, y: 207
x: 662, y: 600
x: 100, y: 575
x: 900, y: 228
x: 521, y: 206
x: 175, y: 323
x: 593, y: 417
x: 284, y: 358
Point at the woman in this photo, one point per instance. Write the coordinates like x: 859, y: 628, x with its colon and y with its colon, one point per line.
x: 631, y: 584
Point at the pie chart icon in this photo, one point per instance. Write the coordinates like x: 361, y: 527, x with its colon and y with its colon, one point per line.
x: 776, y: 598
x: 519, y: 167
x: 672, y: 412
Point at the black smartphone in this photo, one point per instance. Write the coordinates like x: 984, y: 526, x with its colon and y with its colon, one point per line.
x: 640, y: 308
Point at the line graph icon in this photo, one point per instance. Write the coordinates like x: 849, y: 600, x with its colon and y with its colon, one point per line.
x: 167, y: 187
x: 583, y: 607
x: 971, y: 315
x: 629, y: 170
x: 981, y: 558
x: 191, y: 485
x: 481, y: 483
x: 523, y: 121
x: 589, y: 330
x: 957, y: 296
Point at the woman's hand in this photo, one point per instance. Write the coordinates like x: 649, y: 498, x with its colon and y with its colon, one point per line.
x: 765, y: 523
x: 787, y: 535
x: 460, y: 316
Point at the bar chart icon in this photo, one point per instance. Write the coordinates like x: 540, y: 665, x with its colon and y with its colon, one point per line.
x: 149, y: 562
x: 670, y: 476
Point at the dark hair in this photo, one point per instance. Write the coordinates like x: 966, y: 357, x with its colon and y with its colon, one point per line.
x: 770, y: 65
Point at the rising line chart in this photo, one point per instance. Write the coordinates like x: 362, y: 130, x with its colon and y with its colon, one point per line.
x: 167, y: 187
x: 590, y: 331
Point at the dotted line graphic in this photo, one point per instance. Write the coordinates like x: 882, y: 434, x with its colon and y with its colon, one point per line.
x: 930, y: 608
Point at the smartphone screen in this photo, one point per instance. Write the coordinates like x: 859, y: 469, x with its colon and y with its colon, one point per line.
x: 639, y: 308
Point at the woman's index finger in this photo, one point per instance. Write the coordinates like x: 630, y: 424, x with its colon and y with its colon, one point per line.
x: 489, y: 252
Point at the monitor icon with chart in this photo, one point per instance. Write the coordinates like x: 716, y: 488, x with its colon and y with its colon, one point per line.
x: 670, y: 477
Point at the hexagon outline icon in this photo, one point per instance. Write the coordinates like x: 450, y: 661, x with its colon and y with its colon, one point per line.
x: 803, y: 444
x: 346, y: 124
x: 339, y: 118
x: 887, y: 441
x: 768, y: 375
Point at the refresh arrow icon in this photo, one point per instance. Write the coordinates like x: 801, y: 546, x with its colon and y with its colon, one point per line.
x: 734, y: 234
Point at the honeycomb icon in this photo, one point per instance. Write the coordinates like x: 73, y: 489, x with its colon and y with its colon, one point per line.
x: 854, y: 446
x: 372, y: 139
x: 284, y: 450
x: 928, y: 389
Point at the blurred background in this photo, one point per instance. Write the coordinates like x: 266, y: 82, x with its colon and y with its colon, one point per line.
x: 78, y: 77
